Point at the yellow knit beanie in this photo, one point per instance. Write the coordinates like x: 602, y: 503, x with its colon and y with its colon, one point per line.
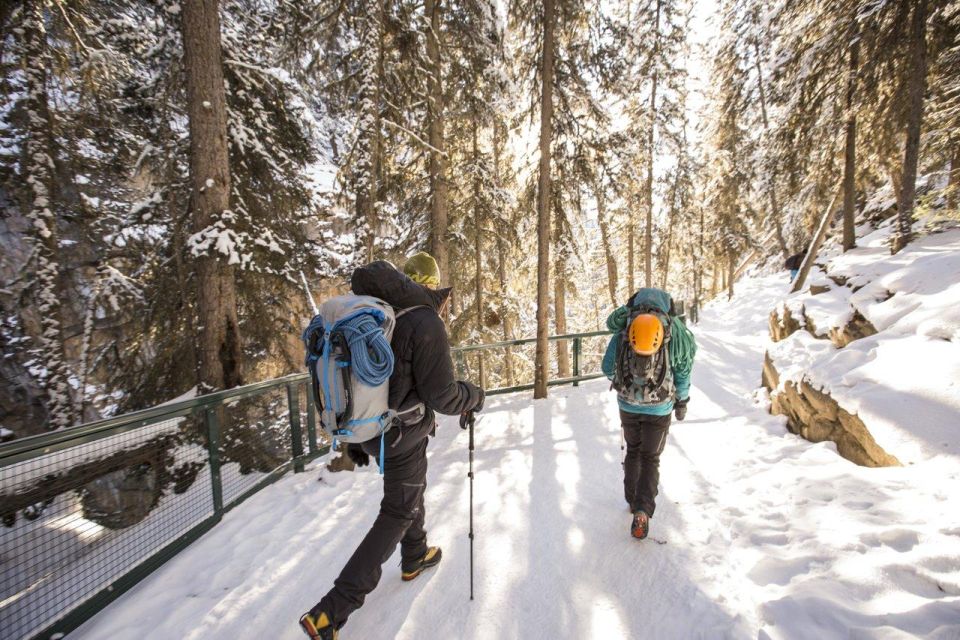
x: 422, y: 268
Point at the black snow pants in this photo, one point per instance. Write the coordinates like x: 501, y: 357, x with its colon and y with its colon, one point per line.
x: 400, y: 521
x: 646, y: 436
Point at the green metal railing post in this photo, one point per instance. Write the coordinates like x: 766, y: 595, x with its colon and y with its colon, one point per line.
x: 576, y: 361
x: 311, y: 423
x: 212, y: 419
x: 296, y: 436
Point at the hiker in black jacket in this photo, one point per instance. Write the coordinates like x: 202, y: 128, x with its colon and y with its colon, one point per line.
x: 423, y: 373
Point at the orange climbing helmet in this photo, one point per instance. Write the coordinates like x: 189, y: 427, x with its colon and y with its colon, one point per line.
x: 646, y: 334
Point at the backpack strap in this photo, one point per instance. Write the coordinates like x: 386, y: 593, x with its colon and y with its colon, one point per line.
x: 403, y: 312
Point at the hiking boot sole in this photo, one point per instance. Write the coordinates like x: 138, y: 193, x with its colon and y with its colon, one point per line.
x: 640, y: 529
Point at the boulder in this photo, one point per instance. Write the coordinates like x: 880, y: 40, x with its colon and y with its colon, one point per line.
x: 817, y: 289
x: 121, y: 498
x: 815, y: 415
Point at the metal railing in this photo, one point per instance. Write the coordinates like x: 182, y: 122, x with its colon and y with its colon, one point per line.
x: 90, y: 511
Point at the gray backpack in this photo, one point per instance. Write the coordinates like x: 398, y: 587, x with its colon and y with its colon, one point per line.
x: 644, y: 380
x: 350, y: 361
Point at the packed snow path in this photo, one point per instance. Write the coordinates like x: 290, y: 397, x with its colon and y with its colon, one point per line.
x: 766, y: 535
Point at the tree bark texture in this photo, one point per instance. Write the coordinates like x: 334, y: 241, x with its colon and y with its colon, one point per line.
x: 544, y: 201
x: 438, y: 162
x: 954, y: 197
x: 731, y: 267
x: 916, y: 86
x: 220, y: 346
x: 369, y: 141
x: 38, y: 172
x: 850, y: 153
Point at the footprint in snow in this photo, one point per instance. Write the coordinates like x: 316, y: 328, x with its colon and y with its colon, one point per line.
x: 901, y: 540
x: 780, y: 570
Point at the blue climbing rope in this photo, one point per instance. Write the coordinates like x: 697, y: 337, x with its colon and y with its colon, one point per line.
x: 370, y: 352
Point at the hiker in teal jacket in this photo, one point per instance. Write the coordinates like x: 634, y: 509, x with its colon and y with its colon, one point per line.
x: 648, y: 393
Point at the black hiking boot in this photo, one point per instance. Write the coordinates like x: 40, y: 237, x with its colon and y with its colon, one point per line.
x: 640, y: 526
x: 317, y: 626
x: 413, y: 568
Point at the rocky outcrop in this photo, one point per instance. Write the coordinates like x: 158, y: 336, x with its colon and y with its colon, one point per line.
x: 783, y: 324
x: 816, y: 416
x: 856, y: 328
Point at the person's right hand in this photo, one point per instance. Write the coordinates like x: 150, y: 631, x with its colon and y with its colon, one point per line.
x: 356, y: 453
x: 680, y: 409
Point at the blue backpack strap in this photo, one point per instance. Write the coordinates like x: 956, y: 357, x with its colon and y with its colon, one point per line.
x: 381, y: 451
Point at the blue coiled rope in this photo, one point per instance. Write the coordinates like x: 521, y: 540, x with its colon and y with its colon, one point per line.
x: 370, y: 352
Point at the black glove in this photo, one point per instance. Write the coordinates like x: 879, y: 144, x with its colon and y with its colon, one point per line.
x: 481, y: 396
x: 466, y: 418
x: 680, y: 409
x: 356, y: 453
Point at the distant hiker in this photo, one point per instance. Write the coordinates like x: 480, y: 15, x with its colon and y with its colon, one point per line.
x: 793, y: 264
x: 422, y: 377
x: 648, y: 360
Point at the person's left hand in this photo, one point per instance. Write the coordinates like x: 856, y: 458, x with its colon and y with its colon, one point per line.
x: 680, y: 409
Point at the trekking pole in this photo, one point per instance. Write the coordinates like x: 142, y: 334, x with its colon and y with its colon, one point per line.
x: 471, y: 420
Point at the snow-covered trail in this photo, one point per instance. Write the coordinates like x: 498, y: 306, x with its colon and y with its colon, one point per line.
x: 766, y: 535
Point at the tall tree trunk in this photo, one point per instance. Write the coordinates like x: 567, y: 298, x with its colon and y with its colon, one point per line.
x: 665, y: 269
x: 505, y: 314
x: 698, y: 273
x: 651, y: 137
x: 772, y: 186
x: 731, y: 267
x: 544, y: 202
x: 560, y: 300
x: 38, y: 171
x: 954, y: 183
x: 560, y: 320
x: 220, y: 346
x: 505, y: 319
x: 850, y: 153
x: 477, y: 254
x: 438, y: 162
x: 369, y: 139
x: 605, y: 238
x: 916, y: 86
x: 631, y: 257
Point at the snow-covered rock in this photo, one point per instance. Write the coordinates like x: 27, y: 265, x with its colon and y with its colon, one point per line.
x: 882, y: 340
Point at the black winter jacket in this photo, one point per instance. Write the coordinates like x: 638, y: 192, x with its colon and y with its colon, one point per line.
x: 423, y: 370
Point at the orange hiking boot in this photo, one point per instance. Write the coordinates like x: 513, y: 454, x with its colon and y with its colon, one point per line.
x: 414, y: 568
x: 640, y: 526
x: 318, y: 626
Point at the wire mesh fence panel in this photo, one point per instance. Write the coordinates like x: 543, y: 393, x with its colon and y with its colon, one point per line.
x: 75, y: 520
x: 255, y: 440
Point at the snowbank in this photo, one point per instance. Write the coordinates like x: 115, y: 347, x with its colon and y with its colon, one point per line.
x: 904, y: 381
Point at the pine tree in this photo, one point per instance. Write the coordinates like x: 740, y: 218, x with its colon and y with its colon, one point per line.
x: 50, y: 360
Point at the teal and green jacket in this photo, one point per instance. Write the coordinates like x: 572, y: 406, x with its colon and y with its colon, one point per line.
x: 682, y: 347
